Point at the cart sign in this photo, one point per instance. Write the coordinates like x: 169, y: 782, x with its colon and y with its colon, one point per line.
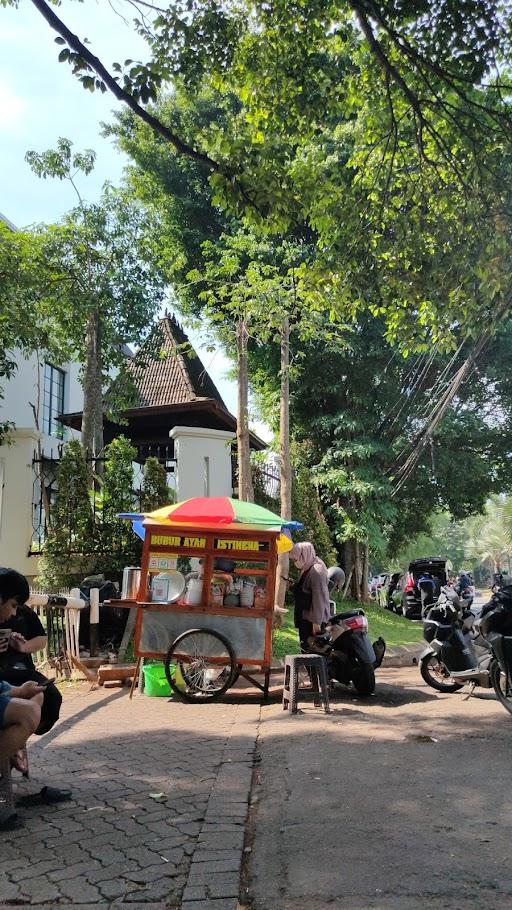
x: 253, y: 546
x: 162, y: 563
x: 166, y: 540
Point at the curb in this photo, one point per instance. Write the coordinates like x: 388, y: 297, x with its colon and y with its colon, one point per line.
x: 213, y: 881
x: 404, y: 656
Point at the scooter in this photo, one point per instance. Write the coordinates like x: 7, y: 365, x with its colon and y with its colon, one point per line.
x: 351, y: 658
x: 457, y: 653
x: 496, y: 628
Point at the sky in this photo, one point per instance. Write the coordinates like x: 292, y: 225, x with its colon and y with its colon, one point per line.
x: 41, y: 100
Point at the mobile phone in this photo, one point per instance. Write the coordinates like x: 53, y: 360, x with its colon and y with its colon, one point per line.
x: 43, y: 685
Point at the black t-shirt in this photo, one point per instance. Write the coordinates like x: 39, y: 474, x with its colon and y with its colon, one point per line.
x: 28, y: 624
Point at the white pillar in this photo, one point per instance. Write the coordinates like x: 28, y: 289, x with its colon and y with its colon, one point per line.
x: 16, y: 494
x: 203, y: 462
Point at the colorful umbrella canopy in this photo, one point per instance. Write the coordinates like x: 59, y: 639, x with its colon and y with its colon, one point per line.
x: 216, y: 511
x: 220, y: 510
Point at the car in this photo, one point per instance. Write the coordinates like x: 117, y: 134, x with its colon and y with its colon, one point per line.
x: 411, y: 596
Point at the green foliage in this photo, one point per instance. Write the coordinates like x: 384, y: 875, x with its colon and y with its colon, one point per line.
x: 83, y: 540
x: 489, y: 538
x: 155, y: 491
x: 118, y: 545
x: 68, y: 553
x: 395, y: 630
x: 306, y: 508
x: 445, y: 537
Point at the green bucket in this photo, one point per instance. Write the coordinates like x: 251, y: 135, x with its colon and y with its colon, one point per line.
x: 155, y: 681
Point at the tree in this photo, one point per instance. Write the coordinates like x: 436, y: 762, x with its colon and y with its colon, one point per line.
x: 445, y: 537
x: 356, y: 412
x: 427, y: 62
x: 117, y: 545
x: 155, y: 490
x: 110, y: 285
x: 489, y: 539
x: 29, y: 305
x: 69, y: 549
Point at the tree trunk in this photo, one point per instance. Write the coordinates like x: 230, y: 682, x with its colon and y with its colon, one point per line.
x: 245, y: 487
x: 285, y: 467
x: 357, y: 570
x: 98, y: 411
x: 92, y: 369
x: 365, y: 595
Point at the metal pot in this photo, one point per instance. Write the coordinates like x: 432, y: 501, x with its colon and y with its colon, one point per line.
x: 131, y: 582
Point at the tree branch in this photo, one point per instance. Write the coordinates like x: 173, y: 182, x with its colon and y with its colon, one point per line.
x: 121, y: 94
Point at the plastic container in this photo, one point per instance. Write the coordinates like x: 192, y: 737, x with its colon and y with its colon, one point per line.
x: 131, y: 582
x: 155, y: 681
x: 247, y: 595
x: 194, y: 593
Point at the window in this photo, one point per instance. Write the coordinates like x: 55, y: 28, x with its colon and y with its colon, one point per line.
x: 53, y: 400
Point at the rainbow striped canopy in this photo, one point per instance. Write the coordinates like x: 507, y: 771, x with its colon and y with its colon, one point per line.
x: 216, y: 511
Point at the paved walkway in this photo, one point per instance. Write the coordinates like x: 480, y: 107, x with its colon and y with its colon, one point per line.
x: 160, y: 801
x: 395, y: 802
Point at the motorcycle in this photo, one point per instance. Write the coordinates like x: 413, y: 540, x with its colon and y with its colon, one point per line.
x: 465, y: 590
x: 456, y: 653
x: 496, y: 628
x: 351, y: 658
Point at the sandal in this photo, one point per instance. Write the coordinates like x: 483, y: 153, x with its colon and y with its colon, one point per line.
x: 47, y: 796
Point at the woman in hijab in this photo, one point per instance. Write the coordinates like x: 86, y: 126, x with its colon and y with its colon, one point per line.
x: 311, y: 592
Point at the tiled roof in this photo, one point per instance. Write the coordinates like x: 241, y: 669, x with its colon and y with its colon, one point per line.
x: 166, y: 370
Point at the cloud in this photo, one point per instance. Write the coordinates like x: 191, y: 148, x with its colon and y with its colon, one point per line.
x: 12, y: 108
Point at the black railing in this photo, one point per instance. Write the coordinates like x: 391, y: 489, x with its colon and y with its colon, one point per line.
x: 265, y: 478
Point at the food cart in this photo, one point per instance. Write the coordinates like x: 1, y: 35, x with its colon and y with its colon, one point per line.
x: 205, y: 602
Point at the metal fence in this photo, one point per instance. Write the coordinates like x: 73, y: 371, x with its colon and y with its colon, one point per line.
x: 62, y: 630
x: 44, y: 472
x: 265, y: 477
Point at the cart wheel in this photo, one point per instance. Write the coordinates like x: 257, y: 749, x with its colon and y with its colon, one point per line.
x: 200, y: 665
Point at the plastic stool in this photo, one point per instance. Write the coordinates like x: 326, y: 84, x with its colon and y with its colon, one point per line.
x: 317, y: 667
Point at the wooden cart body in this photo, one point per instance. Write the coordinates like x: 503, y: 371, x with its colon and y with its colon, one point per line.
x: 249, y: 629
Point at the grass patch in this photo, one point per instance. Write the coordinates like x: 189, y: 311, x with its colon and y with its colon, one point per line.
x: 395, y: 630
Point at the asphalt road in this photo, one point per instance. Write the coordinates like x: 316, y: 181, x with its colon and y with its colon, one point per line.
x: 396, y: 802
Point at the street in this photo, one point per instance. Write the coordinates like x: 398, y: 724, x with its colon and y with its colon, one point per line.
x: 385, y: 803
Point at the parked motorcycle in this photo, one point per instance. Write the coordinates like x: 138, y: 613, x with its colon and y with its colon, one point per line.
x: 465, y: 589
x: 351, y: 658
x: 496, y: 628
x: 456, y: 653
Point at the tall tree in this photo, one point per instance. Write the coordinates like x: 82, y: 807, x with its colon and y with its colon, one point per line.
x: 111, y: 287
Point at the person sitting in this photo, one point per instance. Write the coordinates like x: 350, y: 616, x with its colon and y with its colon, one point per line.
x: 20, y: 706
x: 311, y: 592
x: 27, y: 637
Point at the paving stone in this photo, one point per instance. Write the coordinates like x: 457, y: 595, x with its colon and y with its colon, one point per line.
x: 26, y: 872
x: 207, y: 856
x: 8, y: 891
x: 224, y: 885
x: 40, y: 890
x: 78, y: 889
x: 222, y: 904
x: 218, y: 865
x: 224, y: 840
x: 112, y: 889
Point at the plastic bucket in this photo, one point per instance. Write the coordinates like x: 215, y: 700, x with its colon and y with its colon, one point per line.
x: 155, y: 681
